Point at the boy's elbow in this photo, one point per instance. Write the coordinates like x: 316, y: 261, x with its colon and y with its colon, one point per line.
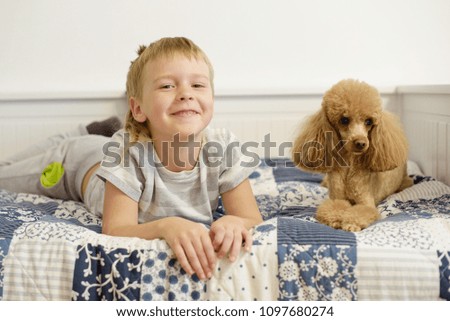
x: 111, y: 231
x: 107, y: 231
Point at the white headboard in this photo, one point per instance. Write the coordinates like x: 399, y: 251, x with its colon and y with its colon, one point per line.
x: 252, y: 116
x: 425, y: 114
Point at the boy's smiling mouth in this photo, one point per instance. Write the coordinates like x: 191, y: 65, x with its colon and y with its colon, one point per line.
x: 185, y: 113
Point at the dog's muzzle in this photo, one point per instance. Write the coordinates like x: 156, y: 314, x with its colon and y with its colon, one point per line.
x: 359, y: 146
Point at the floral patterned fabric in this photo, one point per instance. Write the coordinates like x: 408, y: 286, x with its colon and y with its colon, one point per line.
x: 54, y: 250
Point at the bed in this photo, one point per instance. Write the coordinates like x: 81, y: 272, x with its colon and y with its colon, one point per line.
x: 53, y: 250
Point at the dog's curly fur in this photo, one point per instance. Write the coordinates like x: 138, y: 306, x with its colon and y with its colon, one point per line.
x: 362, y: 150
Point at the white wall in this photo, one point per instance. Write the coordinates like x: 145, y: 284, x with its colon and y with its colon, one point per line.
x: 267, y: 46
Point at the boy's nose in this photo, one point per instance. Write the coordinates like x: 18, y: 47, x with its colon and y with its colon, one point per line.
x: 185, y: 94
x: 186, y: 97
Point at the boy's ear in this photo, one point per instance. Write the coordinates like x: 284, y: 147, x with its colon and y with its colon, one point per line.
x: 136, y: 110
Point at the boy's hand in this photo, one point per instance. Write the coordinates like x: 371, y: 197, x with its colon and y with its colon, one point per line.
x: 228, y: 234
x: 192, y: 245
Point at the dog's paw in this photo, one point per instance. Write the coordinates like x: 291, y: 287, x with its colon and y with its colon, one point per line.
x: 334, y: 224
x: 351, y: 227
x: 359, y: 217
x: 331, y: 212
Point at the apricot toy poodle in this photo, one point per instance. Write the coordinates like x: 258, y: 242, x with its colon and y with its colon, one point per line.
x: 362, y: 150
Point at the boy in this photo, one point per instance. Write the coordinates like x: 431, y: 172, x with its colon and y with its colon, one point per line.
x: 165, y: 184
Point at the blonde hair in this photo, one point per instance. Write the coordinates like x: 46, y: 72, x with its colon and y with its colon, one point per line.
x: 165, y: 47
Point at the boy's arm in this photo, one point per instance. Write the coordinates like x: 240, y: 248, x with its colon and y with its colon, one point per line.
x: 190, y: 241
x: 241, y: 202
x: 242, y: 213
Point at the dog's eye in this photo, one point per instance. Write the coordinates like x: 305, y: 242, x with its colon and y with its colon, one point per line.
x: 368, y: 122
x: 345, y: 120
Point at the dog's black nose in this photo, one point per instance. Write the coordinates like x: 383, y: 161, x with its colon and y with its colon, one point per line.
x: 360, y: 145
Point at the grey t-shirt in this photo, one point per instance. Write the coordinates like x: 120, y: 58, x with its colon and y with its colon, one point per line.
x: 194, y: 194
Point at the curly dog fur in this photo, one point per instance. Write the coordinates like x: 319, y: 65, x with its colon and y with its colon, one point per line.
x: 362, y: 150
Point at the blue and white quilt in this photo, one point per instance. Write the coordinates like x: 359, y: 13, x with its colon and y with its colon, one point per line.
x: 53, y: 250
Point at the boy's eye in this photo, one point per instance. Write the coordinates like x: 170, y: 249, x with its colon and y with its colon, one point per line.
x: 344, y: 120
x: 198, y: 85
x: 167, y: 86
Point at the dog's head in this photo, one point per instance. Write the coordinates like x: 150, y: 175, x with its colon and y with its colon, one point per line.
x: 353, y: 109
x: 350, y: 122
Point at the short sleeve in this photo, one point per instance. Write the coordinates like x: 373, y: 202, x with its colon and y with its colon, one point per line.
x: 238, y: 162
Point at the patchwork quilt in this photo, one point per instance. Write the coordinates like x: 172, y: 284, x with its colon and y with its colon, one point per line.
x: 53, y: 250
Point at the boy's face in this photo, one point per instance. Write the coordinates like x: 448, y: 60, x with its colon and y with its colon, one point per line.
x: 177, y: 97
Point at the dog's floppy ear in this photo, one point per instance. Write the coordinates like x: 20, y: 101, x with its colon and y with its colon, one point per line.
x: 388, y: 146
x: 312, y: 150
